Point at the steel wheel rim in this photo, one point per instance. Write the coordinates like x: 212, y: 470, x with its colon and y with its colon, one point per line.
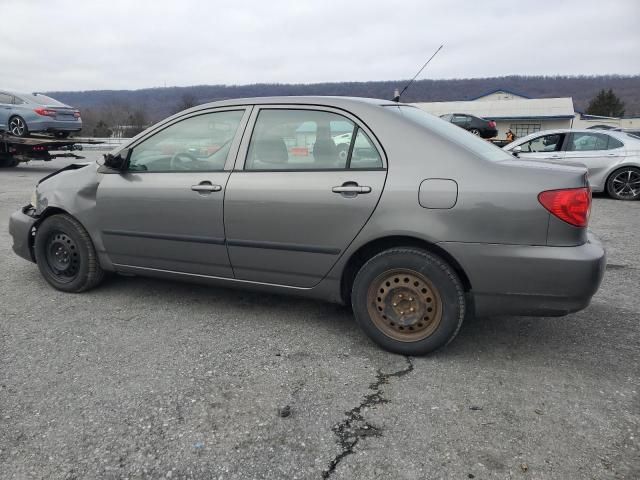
x: 475, y: 132
x: 17, y: 127
x: 626, y: 184
x: 62, y: 256
x: 404, y: 305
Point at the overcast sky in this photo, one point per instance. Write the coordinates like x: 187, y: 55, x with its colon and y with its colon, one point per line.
x: 129, y: 44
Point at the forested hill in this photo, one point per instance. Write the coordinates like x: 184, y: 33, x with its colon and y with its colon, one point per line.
x: 159, y: 102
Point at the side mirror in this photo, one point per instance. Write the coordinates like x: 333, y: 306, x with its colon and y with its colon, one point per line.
x: 119, y: 161
x: 515, y: 151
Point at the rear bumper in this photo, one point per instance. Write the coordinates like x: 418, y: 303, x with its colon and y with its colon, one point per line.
x: 531, y: 280
x: 20, y: 225
x: 51, y: 125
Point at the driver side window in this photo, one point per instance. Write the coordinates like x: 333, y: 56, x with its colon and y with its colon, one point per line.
x: 545, y: 143
x: 199, y: 143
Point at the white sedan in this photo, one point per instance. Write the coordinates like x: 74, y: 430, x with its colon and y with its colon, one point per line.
x: 612, y: 157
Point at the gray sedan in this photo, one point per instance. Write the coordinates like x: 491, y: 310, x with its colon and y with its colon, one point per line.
x: 420, y: 225
x: 25, y: 113
x: 612, y: 157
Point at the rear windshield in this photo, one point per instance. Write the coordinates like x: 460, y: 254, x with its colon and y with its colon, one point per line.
x: 483, y: 148
x: 40, y: 99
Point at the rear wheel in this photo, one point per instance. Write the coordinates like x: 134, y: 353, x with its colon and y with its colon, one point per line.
x: 18, y: 127
x: 624, y: 184
x: 475, y: 131
x: 62, y: 134
x: 65, y: 255
x: 408, y: 301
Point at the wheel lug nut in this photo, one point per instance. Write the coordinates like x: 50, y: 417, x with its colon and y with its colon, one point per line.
x: 411, y: 309
x: 395, y: 304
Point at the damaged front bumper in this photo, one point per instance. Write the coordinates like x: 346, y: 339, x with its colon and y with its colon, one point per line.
x: 21, y: 230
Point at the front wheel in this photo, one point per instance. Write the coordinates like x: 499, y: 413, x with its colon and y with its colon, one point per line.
x: 408, y: 301
x: 66, y: 256
x: 624, y: 184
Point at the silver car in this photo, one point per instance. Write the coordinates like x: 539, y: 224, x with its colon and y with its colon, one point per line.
x: 25, y: 113
x: 612, y: 157
x: 427, y: 224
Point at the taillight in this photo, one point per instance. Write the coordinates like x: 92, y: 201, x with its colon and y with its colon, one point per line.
x: 572, y: 205
x: 45, y: 112
x: 76, y: 114
x: 492, y: 124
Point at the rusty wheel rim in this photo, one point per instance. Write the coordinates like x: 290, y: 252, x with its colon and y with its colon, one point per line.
x: 404, y: 305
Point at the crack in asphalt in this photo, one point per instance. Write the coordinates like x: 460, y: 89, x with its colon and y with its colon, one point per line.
x: 354, y: 427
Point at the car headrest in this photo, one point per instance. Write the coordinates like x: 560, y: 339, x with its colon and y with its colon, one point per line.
x: 270, y: 150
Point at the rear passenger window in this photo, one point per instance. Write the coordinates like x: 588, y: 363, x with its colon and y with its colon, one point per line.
x: 614, y: 143
x: 292, y: 140
x: 364, y: 155
x: 584, y: 142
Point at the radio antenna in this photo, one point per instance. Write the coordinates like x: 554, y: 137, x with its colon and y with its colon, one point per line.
x: 397, y: 96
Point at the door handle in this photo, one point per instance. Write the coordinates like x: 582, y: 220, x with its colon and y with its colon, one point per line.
x: 351, y: 189
x: 206, y: 187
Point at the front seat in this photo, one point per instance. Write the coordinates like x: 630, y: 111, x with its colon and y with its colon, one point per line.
x: 269, y: 153
x: 325, y: 152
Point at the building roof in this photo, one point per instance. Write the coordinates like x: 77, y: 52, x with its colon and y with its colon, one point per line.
x: 525, y: 108
x: 499, y: 90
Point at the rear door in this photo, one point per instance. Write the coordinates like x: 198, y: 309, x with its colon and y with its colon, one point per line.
x: 165, y: 212
x: 596, y: 151
x: 294, y: 204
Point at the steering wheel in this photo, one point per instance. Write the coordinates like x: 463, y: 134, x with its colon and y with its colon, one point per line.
x: 177, y: 162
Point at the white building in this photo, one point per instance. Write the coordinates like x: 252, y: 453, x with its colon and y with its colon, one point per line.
x: 524, y: 115
x: 509, y: 110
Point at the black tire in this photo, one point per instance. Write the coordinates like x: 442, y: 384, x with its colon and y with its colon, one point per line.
x: 66, y: 256
x: 18, y: 127
x: 433, y: 276
x: 62, y: 134
x: 624, y: 184
x: 475, y: 131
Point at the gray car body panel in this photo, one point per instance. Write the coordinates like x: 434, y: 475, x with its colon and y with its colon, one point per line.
x: 287, y: 231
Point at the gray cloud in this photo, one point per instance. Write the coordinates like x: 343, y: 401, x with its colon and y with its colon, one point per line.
x: 84, y: 45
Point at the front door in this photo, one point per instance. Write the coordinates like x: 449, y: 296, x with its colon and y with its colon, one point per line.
x: 294, y: 204
x: 165, y: 212
x: 544, y: 147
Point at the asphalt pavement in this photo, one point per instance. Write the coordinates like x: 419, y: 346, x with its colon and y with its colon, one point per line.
x: 145, y: 378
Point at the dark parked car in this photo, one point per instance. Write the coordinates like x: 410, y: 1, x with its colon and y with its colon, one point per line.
x: 423, y: 226
x: 25, y: 113
x: 476, y: 125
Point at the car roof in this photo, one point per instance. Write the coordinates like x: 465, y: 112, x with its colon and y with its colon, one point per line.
x: 304, y: 100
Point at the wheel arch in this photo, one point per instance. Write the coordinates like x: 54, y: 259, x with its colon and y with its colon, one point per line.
x: 605, y: 187
x: 373, y: 247
x: 47, y: 212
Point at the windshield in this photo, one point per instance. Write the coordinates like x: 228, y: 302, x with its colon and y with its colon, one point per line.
x: 457, y: 135
x: 41, y: 99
